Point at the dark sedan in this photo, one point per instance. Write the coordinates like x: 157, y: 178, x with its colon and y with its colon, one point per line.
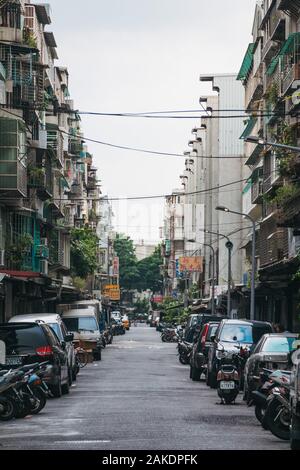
x: 271, y: 352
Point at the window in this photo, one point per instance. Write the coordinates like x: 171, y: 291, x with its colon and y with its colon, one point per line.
x: 237, y: 333
x: 81, y: 324
x: 10, y: 16
x: 278, y: 345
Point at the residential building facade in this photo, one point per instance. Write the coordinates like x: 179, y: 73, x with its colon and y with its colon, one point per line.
x: 270, y: 74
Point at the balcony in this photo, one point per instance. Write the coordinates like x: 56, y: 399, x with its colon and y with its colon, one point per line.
x: 289, y: 214
x: 270, y: 49
x: 254, y: 91
x: 289, y: 76
x: 289, y: 6
x: 13, y: 171
x: 257, y: 186
x: 38, y: 180
x: 55, y: 144
x: 277, y: 25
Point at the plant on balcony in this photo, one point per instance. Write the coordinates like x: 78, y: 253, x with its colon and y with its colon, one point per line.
x: 272, y: 94
x: 286, y: 193
x: 29, y: 38
x: 17, y: 252
x: 79, y: 283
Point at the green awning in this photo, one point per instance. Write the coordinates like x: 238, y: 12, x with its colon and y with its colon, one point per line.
x: 247, y: 63
x: 249, y: 128
x: 287, y: 48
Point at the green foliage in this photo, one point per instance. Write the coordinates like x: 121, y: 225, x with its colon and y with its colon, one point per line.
x: 29, y: 38
x: 79, y: 283
x: 272, y: 95
x: 149, y: 272
x: 134, y: 274
x: 84, y: 246
x: 142, y: 306
x: 285, y: 194
x: 124, y: 249
x: 18, y: 251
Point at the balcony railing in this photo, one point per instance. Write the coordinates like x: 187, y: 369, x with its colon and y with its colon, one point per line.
x: 289, y: 76
x: 277, y: 25
x: 269, y: 50
x: 289, y: 6
x: 257, y: 191
x: 254, y: 91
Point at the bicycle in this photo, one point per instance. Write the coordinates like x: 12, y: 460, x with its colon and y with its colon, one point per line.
x: 81, y: 358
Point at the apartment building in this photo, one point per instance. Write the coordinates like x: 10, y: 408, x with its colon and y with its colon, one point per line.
x: 270, y: 74
x: 48, y: 184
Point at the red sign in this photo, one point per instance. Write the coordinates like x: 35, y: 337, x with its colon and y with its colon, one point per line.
x: 158, y: 299
x: 116, y: 266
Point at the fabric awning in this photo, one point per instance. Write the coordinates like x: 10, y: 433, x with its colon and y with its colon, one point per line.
x: 247, y: 63
x: 288, y: 48
x: 249, y: 128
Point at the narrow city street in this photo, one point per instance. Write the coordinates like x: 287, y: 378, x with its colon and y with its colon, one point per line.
x: 139, y: 397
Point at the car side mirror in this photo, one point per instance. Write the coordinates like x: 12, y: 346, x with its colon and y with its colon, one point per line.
x: 213, y: 338
x: 69, y: 338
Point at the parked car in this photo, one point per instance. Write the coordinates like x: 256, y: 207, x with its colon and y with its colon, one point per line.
x: 29, y: 343
x: 230, y: 335
x: 66, y: 338
x: 199, y: 356
x: 196, y: 322
x: 271, y: 352
x: 83, y: 323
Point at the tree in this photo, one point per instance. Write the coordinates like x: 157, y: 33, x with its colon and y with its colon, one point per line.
x: 84, y: 246
x: 149, y: 272
x: 129, y: 274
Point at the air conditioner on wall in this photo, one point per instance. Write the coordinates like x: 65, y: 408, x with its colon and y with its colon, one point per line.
x: 44, y: 267
x: 2, y: 257
x: 44, y: 241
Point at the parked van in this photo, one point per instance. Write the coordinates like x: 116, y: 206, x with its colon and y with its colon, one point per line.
x: 84, y: 324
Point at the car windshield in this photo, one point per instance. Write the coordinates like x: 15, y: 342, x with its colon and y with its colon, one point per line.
x: 56, y: 328
x: 237, y: 333
x: 278, y: 345
x: 81, y: 324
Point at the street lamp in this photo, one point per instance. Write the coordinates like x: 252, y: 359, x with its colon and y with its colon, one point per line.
x: 229, y: 246
x: 252, y: 305
x: 257, y: 140
x: 213, y: 276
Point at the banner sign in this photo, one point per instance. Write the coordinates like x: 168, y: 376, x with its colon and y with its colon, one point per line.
x: 158, y: 299
x: 116, y: 266
x: 191, y: 264
x: 112, y: 291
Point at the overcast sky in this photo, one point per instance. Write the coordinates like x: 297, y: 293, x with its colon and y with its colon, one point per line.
x: 143, y: 55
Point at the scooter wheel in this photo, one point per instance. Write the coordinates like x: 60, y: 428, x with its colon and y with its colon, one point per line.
x: 40, y: 402
x: 7, y: 409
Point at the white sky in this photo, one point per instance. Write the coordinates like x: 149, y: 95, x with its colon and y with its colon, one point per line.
x: 143, y: 55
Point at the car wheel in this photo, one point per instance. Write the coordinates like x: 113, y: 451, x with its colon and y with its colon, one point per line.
x: 70, y: 376
x: 98, y: 355
x: 57, y: 389
x: 295, y: 428
x: 208, y: 378
x: 213, y: 380
x: 65, y: 388
x: 196, y: 374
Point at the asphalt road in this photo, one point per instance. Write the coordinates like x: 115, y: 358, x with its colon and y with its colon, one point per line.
x: 139, y: 397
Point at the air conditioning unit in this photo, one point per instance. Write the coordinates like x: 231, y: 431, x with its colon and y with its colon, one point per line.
x: 44, y: 267
x: 2, y: 257
x: 44, y: 241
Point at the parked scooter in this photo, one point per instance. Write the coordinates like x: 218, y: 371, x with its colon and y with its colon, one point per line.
x: 169, y: 335
x: 278, y: 412
x: 229, y: 377
x: 22, y: 391
x: 184, y: 351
